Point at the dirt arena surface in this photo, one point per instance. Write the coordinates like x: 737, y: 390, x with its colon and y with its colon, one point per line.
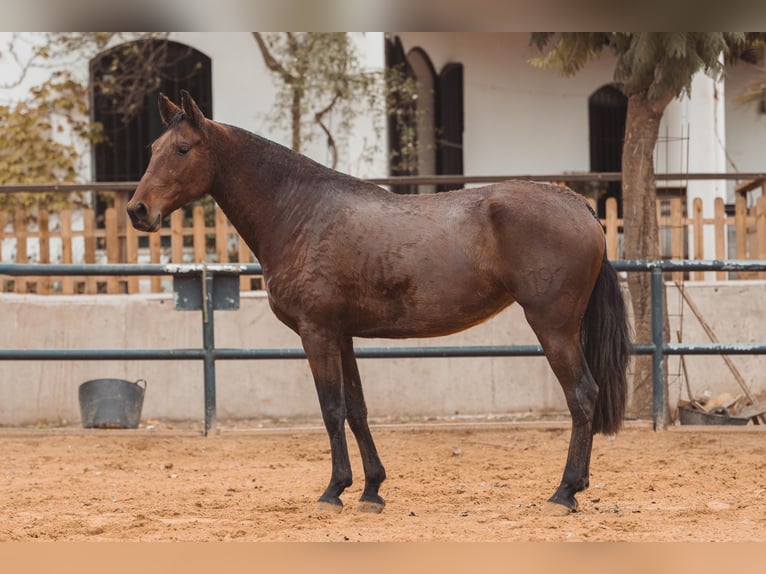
x: 446, y: 482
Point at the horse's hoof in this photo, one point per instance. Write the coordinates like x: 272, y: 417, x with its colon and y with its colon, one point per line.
x: 370, y: 507
x: 327, y: 507
x: 556, y: 509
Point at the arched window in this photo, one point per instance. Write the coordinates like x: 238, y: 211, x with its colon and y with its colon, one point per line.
x: 607, y: 110
x: 434, y: 120
x: 425, y: 120
x: 124, y: 154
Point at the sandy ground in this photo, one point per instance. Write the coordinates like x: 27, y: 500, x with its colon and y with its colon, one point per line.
x: 446, y: 482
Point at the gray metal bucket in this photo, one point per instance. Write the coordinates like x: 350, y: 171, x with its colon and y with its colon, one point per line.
x: 718, y: 416
x: 111, y: 403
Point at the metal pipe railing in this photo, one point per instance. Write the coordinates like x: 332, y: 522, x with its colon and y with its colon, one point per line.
x: 208, y: 353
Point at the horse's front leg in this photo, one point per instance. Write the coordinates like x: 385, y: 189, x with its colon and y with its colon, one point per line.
x: 356, y: 411
x: 324, y: 356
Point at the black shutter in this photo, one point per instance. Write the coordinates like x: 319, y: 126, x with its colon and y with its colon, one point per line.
x: 397, y: 59
x: 449, y: 123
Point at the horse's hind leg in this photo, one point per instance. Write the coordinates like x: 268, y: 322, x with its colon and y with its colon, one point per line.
x: 581, y: 401
x: 356, y: 413
x: 323, y: 351
x: 563, y: 350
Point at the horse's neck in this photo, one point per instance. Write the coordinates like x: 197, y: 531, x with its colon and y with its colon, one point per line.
x: 258, y: 187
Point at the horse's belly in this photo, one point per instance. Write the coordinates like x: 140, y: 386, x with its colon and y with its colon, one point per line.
x: 433, y: 318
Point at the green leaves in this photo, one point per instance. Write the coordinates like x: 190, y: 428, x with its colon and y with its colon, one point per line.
x: 658, y: 64
x: 568, y: 51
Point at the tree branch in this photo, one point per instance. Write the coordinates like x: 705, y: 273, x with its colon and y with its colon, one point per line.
x: 330, y: 139
x: 23, y: 66
x: 271, y: 63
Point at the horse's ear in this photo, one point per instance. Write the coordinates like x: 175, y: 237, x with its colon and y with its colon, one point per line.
x: 167, y: 109
x: 191, y: 111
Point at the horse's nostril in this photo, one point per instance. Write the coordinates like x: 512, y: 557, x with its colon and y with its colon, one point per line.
x: 138, y: 210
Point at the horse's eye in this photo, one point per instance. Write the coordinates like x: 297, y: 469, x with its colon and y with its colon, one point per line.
x: 183, y: 150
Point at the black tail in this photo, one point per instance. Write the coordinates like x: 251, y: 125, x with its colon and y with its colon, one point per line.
x: 606, y: 347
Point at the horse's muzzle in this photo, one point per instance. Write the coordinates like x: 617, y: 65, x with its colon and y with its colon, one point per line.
x: 140, y: 217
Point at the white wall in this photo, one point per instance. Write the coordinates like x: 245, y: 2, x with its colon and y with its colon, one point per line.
x: 518, y: 119
x: 32, y: 391
x: 745, y: 124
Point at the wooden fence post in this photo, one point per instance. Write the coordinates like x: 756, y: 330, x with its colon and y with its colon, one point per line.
x: 612, y: 235
x: 677, y: 229
x: 155, y: 252
x: 760, y: 231
x: 67, y: 282
x: 131, y: 255
x: 44, y: 248
x: 20, y: 230
x: 221, y: 236
x: 719, y: 223
x: 698, y: 232
x: 198, y: 230
x: 177, y: 236
x: 112, y: 247
x: 740, y: 230
x: 740, y: 226
x: 121, y: 222
x: 89, y: 247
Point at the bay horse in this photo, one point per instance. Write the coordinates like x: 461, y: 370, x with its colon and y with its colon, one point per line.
x: 345, y: 258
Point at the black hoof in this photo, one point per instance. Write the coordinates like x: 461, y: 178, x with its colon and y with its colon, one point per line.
x: 371, y: 504
x: 565, y: 504
x: 330, y: 505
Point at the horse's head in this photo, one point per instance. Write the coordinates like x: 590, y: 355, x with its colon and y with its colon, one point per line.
x: 181, y: 167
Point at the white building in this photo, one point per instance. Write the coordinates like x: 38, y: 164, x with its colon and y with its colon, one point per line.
x: 504, y: 116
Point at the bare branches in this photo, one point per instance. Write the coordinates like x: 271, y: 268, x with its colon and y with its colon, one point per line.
x: 268, y: 58
x: 126, y: 64
x: 23, y: 63
x: 319, y: 118
x: 124, y: 74
x: 312, y: 68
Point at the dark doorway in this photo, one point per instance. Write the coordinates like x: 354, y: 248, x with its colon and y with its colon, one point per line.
x: 607, y: 110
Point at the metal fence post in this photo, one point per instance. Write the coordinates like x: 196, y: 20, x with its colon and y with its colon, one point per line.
x: 658, y: 354
x: 208, y: 343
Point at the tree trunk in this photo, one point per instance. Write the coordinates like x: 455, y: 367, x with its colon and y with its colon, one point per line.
x: 639, y: 199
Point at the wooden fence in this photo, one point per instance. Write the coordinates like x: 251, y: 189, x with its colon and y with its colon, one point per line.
x: 56, y: 239
x: 118, y: 242
x: 741, y: 235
